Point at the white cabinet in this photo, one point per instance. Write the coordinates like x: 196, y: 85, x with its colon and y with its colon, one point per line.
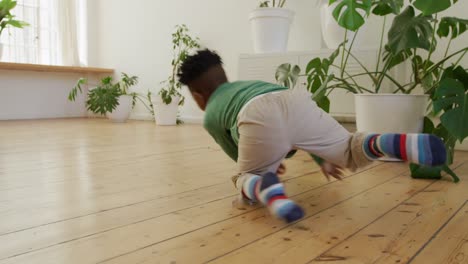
x: 263, y: 67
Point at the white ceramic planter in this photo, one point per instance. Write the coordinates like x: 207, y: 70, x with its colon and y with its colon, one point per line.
x: 1, y: 51
x: 122, y: 112
x: 166, y: 115
x: 270, y: 29
x: 332, y: 34
x: 390, y: 113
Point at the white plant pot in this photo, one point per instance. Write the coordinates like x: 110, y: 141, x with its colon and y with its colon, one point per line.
x: 390, y: 113
x: 1, y: 51
x: 270, y: 29
x: 166, y: 115
x: 332, y: 33
x: 122, y: 112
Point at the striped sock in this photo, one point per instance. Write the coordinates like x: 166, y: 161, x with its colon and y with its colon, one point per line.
x: 422, y: 149
x: 270, y: 192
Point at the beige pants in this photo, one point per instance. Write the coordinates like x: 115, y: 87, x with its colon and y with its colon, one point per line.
x: 273, y: 124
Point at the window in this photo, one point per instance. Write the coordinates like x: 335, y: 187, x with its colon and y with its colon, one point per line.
x: 48, y: 38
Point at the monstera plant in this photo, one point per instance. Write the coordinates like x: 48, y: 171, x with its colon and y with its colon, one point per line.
x: 414, y: 38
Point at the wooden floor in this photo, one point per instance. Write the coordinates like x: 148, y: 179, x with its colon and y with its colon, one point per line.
x: 88, y: 191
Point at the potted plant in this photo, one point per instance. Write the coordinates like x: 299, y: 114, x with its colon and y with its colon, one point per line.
x: 170, y: 97
x: 413, y: 38
x: 270, y: 24
x: 7, y: 19
x: 110, y: 98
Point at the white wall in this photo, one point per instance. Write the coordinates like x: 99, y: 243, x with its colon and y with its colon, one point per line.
x: 135, y: 37
x: 37, y: 95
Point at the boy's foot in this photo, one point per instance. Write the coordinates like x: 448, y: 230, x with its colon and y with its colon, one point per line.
x: 242, y: 203
x: 422, y: 149
x: 270, y: 192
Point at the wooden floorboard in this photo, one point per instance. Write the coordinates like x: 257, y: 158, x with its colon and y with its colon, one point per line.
x: 89, y: 191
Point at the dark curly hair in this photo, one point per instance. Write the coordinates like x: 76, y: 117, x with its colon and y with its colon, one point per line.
x: 195, y: 65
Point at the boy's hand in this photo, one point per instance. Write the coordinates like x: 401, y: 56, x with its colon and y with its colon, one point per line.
x: 332, y: 170
x: 281, y: 170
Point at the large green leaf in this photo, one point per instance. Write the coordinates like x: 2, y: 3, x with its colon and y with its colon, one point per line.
x: 347, y: 13
x: 102, y: 100
x: 456, y: 26
x: 452, y: 98
x: 429, y: 7
x: 386, y: 7
x: 409, y: 31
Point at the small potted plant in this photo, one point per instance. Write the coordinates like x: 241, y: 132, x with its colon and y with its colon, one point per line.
x: 170, y: 98
x: 7, y: 19
x: 112, y: 99
x: 270, y: 24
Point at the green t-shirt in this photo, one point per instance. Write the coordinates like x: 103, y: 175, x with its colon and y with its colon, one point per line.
x: 224, y: 106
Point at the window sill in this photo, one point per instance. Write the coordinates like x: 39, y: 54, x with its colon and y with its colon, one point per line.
x: 50, y: 68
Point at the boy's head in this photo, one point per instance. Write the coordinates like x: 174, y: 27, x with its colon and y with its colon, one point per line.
x: 203, y: 73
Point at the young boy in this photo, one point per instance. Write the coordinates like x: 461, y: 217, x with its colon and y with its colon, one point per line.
x: 257, y: 124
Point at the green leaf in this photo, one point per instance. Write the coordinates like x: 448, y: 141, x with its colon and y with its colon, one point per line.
x: 429, y: 7
x: 324, y: 103
x: 335, y: 53
x: 314, y: 64
x: 454, y: 25
x: 428, y: 126
x: 6, y: 6
x: 287, y: 75
x: 431, y: 173
x: 386, y: 7
x: 264, y: 4
x: 423, y: 172
x: 74, y: 92
x: 16, y: 23
x: 102, y: 100
x: 452, y: 98
x: 347, y: 13
x: 409, y: 31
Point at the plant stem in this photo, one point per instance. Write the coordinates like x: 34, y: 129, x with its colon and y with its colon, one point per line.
x: 437, y: 65
x: 400, y: 87
x: 363, y: 67
x: 381, y: 44
x: 350, y: 77
x: 431, y: 48
x: 147, y: 107
x: 343, y: 54
x: 380, y: 80
x: 350, y: 48
x: 461, y: 57
x: 448, y: 47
